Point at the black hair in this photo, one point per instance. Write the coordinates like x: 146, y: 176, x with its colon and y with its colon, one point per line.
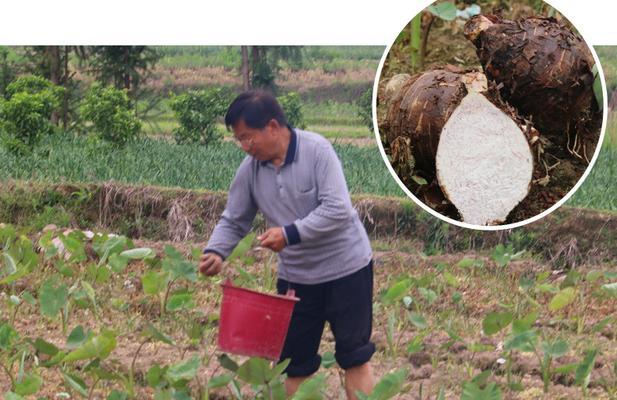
x: 256, y: 108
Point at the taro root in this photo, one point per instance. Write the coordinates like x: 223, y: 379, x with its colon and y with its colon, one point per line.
x: 461, y: 135
x: 545, y: 71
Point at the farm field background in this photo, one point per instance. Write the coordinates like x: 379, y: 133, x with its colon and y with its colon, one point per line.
x: 519, y: 312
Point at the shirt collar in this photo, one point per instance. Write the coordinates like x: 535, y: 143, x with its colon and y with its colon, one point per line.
x: 290, y: 156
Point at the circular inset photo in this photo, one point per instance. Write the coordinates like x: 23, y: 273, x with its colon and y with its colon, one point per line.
x: 490, y: 118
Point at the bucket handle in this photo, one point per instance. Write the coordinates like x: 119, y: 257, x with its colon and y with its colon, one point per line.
x: 290, y: 292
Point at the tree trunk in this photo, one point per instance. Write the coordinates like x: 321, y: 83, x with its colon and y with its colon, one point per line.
x: 246, y: 83
x: 65, y: 80
x: 54, y: 62
x: 127, y: 76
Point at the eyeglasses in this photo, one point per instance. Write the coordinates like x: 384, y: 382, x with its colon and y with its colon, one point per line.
x: 244, y: 142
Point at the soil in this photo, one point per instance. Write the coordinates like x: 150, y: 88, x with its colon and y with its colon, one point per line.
x: 556, y: 172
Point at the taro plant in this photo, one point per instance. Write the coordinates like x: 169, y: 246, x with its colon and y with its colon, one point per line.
x: 389, y: 385
x: 15, y: 351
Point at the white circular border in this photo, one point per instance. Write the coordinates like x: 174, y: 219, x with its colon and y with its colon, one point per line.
x: 491, y: 227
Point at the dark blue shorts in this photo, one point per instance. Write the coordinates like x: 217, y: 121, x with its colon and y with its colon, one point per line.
x: 347, y: 304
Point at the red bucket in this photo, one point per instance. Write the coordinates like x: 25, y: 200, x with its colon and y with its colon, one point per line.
x: 254, y: 323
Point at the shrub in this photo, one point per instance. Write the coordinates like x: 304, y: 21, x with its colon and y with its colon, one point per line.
x: 292, y: 106
x: 365, y: 108
x: 197, y: 111
x: 110, y: 112
x: 25, y: 114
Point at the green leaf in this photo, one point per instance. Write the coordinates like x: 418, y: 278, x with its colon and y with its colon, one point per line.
x: 180, y: 269
x: 254, y: 371
x: 416, y: 344
x: 278, y: 369
x: 494, y: 322
x: 28, y: 298
x: 419, y: 180
x: 155, y: 375
x: 52, y: 298
x: 566, y: 369
x: 28, y: 385
x: 417, y: 320
x: 242, y: 247
x: 45, y: 347
x: 138, y: 253
x: 327, y: 359
x: 99, y: 346
x: 450, y: 279
x: 117, y: 395
x: 471, y: 391
x: 228, y: 363
x: 601, y: 325
x: 10, y: 266
x: 466, y: 263
x: 525, y: 341
x: 311, y: 389
x: 445, y: 11
x: 525, y: 323
x: 219, y: 381
x: 76, y: 383
x: 153, y: 283
x: 117, y: 263
x: 597, y: 87
x: 611, y: 289
x: 593, y: 275
x: 429, y: 295
x: 76, y: 338
x: 555, y: 349
x: 12, y: 396
x: 184, y: 370
x: 397, y: 291
x: 583, y: 371
x: 390, y: 385
x: 153, y: 333
x: 562, y: 299
x: 181, y: 301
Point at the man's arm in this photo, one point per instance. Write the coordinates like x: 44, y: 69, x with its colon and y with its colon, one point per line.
x: 334, y: 209
x: 236, y: 221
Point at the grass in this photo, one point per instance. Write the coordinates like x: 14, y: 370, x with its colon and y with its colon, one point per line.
x: 148, y: 161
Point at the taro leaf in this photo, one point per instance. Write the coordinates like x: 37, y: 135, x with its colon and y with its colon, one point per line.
x: 155, y: 375
x: 28, y: 385
x: 153, y: 282
x: 311, y: 389
x: 180, y: 269
x: 450, y: 279
x: 494, y: 322
x: 525, y: 323
x: 55, y: 360
x: 255, y: 371
x: 180, y: 301
x: 397, y: 291
x: 52, y: 298
x: 466, y: 263
x: 597, y: 87
x: 173, y: 253
x: 75, y: 246
x: 598, y: 327
x: 526, y: 283
x: 572, y: 278
x: 525, y: 341
x: 562, y: 299
x: 328, y: 360
x: 10, y: 266
x: 76, y: 383
x: 12, y: 396
x: 583, y: 371
x: 239, y: 252
x: 429, y: 295
x: 593, y: 276
x: 90, y: 292
x: 471, y: 391
x: 555, y: 349
x: 196, y: 253
x: 419, y: 180
x: 117, y: 395
x: 610, y: 275
x: 219, y: 381
x: 390, y: 385
x: 481, y: 378
x: 76, y: 338
x: 417, y: 320
x: 278, y: 369
x: 183, y: 371
x: 445, y: 11
x: 117, y: 263
x: 99, y: 346
x: 611, y: 289
x: 156, y: 334
x: 138, y: 254
x: 27, y: 296
x: 44, y: 347
x: 227, y: 363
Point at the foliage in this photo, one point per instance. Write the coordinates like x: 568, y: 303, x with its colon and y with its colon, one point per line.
x: 365, y: 108
x: 26, y: 112
x: 109, y: 110
x: 292, y: 107
x: 198, y: 111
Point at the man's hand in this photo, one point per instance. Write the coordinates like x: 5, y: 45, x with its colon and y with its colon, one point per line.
x: 210, y: 264
x: 273, y: 239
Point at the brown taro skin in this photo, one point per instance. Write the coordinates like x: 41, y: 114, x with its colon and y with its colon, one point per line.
x: 543, y: 68
x: 420, y: 110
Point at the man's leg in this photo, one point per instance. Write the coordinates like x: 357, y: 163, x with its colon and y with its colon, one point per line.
x: 349, y: 305
x: 359, y: 378
x: 304, y: 334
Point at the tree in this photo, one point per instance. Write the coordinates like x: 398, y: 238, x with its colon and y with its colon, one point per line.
x: 259, y: 70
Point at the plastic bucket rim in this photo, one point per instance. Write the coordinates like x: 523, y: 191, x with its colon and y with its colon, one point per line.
x: 229, y: 284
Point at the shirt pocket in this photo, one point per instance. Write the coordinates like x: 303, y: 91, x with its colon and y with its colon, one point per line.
x: 304, y: 180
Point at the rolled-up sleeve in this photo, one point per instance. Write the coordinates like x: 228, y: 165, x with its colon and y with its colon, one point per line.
x: 237, y: 219
x: 334, y: 203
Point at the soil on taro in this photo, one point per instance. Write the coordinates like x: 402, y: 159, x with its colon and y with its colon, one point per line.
x: 442, y: 363
x: 555, y: 173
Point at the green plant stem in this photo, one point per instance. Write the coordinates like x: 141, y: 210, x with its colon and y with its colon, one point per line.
x: 132, y: 370
x: 169, y: 285
x: 91, y: 392
x: 14, y: 313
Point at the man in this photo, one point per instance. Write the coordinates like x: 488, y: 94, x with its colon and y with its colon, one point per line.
x: 296, y: 180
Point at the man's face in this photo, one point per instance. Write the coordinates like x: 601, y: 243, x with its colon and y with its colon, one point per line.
x: 256, y: 142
